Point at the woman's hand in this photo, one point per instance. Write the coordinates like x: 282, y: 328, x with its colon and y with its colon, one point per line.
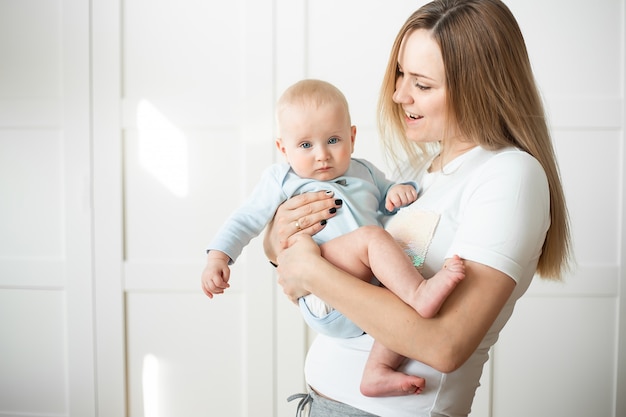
x: 303, y: 214
x: 292, y: 276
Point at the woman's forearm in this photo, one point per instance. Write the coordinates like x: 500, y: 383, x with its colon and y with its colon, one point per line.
x: 376, y: 310
x: 444, y: 342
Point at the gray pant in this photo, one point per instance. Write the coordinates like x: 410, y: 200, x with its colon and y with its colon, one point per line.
x: 323, y: 407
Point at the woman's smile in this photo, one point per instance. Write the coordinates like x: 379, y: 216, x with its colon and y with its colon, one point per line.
x: 412, y: 116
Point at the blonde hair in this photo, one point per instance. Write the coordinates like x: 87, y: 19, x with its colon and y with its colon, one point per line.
x: 492, y: 97
x: 314, y: 93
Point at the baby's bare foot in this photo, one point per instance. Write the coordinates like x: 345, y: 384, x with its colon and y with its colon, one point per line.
x: 382, y: 381
x: 433, y: 292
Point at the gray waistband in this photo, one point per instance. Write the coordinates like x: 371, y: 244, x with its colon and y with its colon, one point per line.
x: 323, y: 407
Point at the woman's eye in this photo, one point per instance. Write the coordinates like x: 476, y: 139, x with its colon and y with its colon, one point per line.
x: 421, y: 86
x: 332, y: 141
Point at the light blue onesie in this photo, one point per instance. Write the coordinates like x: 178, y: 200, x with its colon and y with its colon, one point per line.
x: 363, y: 189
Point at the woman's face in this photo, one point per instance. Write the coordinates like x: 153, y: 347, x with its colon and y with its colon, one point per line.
x: 421, y: 88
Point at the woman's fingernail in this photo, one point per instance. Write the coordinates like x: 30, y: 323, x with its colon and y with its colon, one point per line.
x: 338, y: 202
x: 329, y: 192
x: 332, y: 210
x: 323, y: 222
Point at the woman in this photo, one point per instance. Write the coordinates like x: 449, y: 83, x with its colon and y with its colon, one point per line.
x: 458, y: 78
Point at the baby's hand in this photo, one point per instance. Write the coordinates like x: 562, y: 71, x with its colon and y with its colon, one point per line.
x: 400, y: 195
x: 216, y: 274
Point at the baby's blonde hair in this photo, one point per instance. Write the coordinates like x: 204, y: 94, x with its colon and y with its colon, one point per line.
x: 311, y: 93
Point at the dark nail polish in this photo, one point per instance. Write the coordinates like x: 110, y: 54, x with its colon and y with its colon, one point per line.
x: 332, y: 210
x: 323, y: 222
x: 338, y: 202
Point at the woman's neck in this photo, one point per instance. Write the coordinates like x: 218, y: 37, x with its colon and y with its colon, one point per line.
x: 448, y: 153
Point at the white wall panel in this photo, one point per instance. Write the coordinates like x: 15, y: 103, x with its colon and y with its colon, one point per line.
x: 181, y: 113
x: 185, y: 58
x: 31, y: 212
x: 34, y: 266
x: 107, y: 209
x: 33, y: 376
x: 29, y: 40
x: 31, y: 146
x: 78, y: 221
x: 590, y: 163
x: 197, y: 125
x: 180, y: 361
x: 176, y: 183
x: 556, y: 358
x: 575, y: 47
x: 31, y: 172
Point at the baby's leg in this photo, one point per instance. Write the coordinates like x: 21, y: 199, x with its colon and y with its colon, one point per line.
x: 370, y: 250
x: 349, y: 253
x: 381, y: 379
x: 393, y: 267
x: 373, y: 248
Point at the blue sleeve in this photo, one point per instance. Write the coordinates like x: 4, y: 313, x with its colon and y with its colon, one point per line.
x: 249, y: 220
x: 383, y: 184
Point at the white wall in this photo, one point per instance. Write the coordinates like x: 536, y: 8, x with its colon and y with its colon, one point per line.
x: 130, y: 129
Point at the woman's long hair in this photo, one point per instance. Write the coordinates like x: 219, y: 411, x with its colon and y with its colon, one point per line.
x: 492, y: 97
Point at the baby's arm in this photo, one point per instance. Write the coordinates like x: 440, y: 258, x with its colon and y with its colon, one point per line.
x: 216, y: 273
x: 400, y: 195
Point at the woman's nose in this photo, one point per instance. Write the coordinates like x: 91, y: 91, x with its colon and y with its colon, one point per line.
x: 401, y: 95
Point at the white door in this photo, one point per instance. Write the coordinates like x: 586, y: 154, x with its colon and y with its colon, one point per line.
x: 184, y: 93
x: 46, y: 308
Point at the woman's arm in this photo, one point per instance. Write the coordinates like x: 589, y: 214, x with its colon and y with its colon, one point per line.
x: 303, y: 214
x: 444, y: 342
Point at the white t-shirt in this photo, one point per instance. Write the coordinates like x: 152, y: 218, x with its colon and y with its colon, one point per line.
x: 491, y: 207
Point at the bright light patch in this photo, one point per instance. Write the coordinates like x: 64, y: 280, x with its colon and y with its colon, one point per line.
x: 150, y: 383
x: 162, y: 149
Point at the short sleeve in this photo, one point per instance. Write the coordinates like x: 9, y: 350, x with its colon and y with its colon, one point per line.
x: 506, y: 214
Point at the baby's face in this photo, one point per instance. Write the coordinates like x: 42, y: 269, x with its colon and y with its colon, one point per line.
x: 317, y: 141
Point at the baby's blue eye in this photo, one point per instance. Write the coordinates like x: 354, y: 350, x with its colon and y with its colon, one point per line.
x: 332, y: 141
x: 306, y: 145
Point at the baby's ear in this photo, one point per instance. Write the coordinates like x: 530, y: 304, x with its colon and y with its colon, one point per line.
x: 279, y: 145
x: 282, y: 148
